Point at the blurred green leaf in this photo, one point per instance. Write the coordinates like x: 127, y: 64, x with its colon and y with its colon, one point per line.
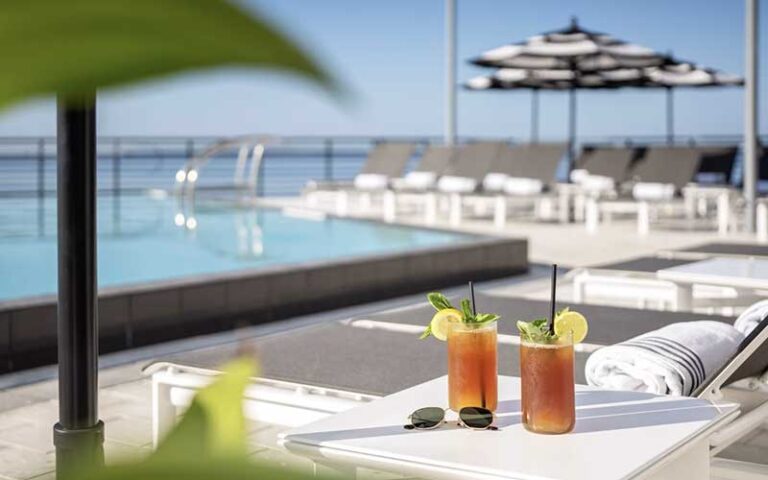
x: 214, y: 425
x: 209, y: 442
x: 74, y: 47
x: 195, y: 469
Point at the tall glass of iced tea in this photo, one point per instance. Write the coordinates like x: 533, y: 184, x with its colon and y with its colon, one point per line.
x: 548, y: 387
x: 472, y: 366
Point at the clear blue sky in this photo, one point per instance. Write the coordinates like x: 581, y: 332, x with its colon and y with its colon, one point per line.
x: 390, y: 54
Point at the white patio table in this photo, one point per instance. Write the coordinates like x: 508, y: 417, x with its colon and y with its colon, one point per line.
x: 740, y: 273
x: 618, y: 435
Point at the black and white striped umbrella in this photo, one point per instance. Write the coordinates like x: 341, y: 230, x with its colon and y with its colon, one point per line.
x: 575, y: 58
x: 572, y: 48
x: 668, y: 76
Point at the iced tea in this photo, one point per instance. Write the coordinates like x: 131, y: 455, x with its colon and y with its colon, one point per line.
x: 548, y: 387
x: 472, y: 366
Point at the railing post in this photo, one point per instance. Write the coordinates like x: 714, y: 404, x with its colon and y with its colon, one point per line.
x: 328, y: 162
x: 41, y: 187
x: 190, y: 149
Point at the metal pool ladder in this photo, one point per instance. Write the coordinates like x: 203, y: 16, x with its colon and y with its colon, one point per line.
x: 245, y: 176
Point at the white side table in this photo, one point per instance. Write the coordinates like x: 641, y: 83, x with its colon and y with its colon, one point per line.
x: 618, y: 435
x: 743, y: 273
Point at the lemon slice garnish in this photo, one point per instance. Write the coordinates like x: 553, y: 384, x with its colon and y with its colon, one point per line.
x: 442, y: 321
x: 573, y: 322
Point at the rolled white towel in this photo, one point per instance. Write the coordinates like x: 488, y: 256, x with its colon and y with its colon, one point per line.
x: 371, y: 181
x: 523, y: 186
x: 419, y: 180
x: 653, y: 191
x: 751, y: 317
x: 494, y: 182
x: 672, y: 360
x: 598, y: 183
x: 578, y: 175
x: 452, y: 184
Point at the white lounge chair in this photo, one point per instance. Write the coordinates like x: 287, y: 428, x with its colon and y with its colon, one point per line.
x: 599, y: 174
x: 409, y: 190
x: 659, y: 178
x: 385, y: 162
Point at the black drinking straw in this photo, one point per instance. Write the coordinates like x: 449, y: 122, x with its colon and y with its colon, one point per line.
x: 552, y: 300
x: 472, y: 295
x: 474, y: 311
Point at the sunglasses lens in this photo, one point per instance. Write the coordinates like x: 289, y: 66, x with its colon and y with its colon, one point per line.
x: 476, y: 417
x: 428, y: 417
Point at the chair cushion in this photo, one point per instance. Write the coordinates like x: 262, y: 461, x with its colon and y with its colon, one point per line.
x: 597, y: 183
x: 371, y: 181
x: 420, y: 180
x: 523, y: 186
x: 653, y: 191
x: 451, y: 184
x: 578, y: 175
x: 494, y: 182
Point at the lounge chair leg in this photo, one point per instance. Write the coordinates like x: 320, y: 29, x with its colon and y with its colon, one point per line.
x: 683, y: 301
x: 342, y: 204
x: 690, y: 204
x: 592, y: 215
x: 544, y: 208
x: 430, y: 209
x: 702, y: 207
x: 762, y: 222
x: 579, y: 207
x: 643, y: 218
x: 163, y: 411
x: 390, y: 206
x: 723, y: 213
x: 366, y: 201
x: 455, y: 213
x: 500, y: 212
x: 564, y: 207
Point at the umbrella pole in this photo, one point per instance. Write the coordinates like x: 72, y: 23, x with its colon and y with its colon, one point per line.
x: 450, y: 72
x: 571, y: 128
x: 535, y: 116
x: 750, y: 170
x: 79, y: 434
x: 670, y: 117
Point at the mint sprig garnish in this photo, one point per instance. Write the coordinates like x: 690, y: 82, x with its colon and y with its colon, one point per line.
x: 427, y: 332
x: 536, y: 331
x: 441, y: 302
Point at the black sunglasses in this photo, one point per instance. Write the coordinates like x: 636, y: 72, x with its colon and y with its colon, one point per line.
x: 427, y: 418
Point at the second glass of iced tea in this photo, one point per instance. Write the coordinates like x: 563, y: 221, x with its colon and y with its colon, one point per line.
x: 548, y: 386
x: 472, y: 366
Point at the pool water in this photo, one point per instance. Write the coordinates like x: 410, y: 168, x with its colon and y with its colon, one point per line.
x: 145, y: 239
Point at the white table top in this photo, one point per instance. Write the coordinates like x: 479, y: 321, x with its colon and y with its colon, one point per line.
x: 726, y: 271
x: 617, y: 436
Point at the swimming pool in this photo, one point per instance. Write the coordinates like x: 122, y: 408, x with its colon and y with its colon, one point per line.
x: 146, y: 238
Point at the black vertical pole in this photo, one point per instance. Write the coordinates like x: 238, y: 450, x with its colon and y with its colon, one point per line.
x: 79, y: 434
x: 670, y: 117
x: 535, y: 116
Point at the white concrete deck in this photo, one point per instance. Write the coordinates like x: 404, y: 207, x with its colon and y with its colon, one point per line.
x: 28, y: 412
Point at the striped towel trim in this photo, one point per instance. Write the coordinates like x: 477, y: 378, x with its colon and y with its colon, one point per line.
x: 690, y: 353
x: 688, y: 362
